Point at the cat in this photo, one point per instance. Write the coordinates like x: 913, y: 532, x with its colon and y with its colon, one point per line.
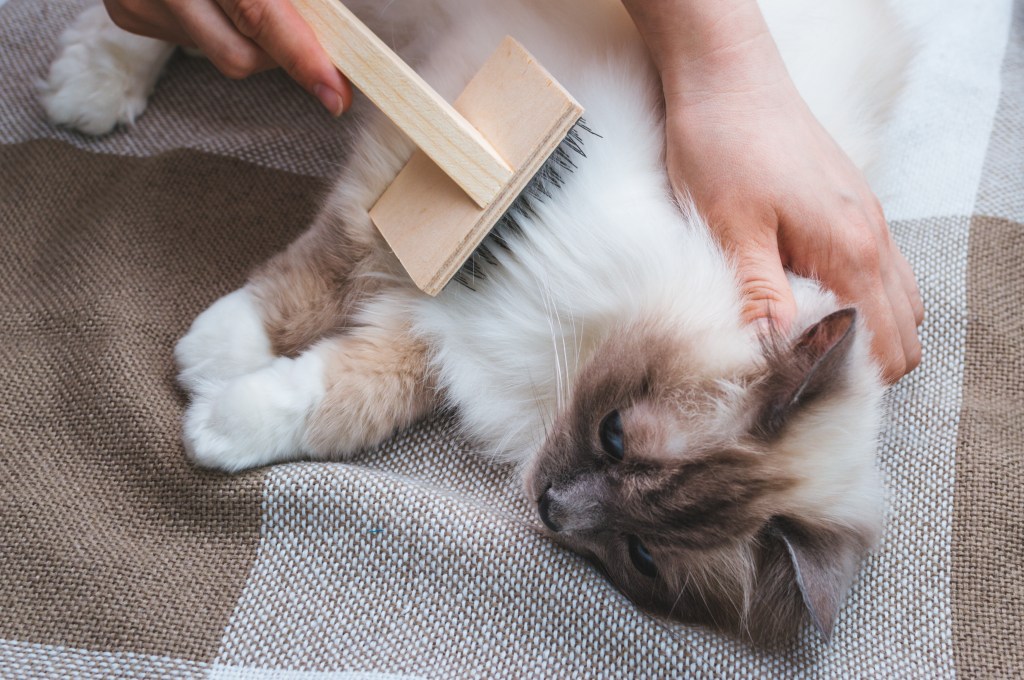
x: 715, y: 476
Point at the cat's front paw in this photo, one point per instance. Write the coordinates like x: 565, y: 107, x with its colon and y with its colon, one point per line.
x: 103, y: 75
x: 254, y: 419
x: 226, y: 341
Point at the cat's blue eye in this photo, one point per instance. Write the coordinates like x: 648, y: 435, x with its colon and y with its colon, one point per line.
x: 610, y: 433
x: 641, y: 557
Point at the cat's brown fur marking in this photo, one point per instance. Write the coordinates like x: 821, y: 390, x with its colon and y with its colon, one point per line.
x: 311, y: 290
x: 377, y: 382
x: 699, y: 485
x: 798, y: 373
x: 376, y: 378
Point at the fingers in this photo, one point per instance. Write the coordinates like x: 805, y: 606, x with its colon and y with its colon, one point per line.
x: 767, y: 297
x: 863, y: 286
x: 241, y: 37
x: 283, y: 34
x: 896, y: 342
x: 232, y: 53
x: 150, y: 19
x: 908, y: 309
x: 910, y: 286
x: 869, y: 271
x: 905, y: 343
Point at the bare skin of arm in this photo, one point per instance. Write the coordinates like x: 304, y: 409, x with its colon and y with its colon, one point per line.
x: 776, y: 189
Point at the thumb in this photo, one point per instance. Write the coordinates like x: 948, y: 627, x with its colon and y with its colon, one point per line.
x: 767, y: 297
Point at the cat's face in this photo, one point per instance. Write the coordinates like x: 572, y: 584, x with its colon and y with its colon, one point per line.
x: 679, y: 485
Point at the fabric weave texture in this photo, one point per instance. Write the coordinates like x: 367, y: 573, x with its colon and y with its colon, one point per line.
x: 119, y: 559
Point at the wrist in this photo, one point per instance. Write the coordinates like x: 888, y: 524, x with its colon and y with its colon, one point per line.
x: 707, y: 45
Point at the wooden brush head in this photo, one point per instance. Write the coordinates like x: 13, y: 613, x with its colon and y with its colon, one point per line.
x: 430, y: 223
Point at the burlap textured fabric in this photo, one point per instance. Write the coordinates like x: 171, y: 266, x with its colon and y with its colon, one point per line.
x: 117, y: 558
x: 109, y: 541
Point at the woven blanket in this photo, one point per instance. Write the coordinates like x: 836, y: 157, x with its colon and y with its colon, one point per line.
x: 119, y: 558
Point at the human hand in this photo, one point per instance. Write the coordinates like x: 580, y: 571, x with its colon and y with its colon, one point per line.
x: 241, y: 37
x: 776, y: 189
x: 780, y: 194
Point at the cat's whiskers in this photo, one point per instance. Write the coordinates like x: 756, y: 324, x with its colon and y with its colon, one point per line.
x: 545, y: 416
x: 566, y: 376
x: 699, y: 588
x: 500, y: 449
x: 749, y: 576
x: 682, y: 589
x: 722, y: 587
x: 563, y: 395
x: 549, y: 313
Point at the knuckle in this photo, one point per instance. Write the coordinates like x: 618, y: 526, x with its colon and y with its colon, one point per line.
x: 762, y: 299
x: 862, y: 251
x: 236, y: 64
x: 757, y: 280
x: 250, y: 17
x: 760, y: 290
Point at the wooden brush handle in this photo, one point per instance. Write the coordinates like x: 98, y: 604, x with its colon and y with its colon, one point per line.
x: 405, y: 98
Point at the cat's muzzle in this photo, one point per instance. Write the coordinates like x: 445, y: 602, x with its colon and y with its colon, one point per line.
x: 576, y: 507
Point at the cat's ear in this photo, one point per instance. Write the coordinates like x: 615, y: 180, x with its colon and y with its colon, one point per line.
x: 805, y: 370
x: 824, y: 565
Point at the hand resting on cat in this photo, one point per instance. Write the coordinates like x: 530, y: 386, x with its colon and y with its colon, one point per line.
x: 598, y: 345
x: 775, y: 188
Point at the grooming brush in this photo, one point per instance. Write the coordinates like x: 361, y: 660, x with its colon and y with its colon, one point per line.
x: 474, y: 159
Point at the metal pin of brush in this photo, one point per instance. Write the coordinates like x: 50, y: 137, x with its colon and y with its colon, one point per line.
x: 475, y: 157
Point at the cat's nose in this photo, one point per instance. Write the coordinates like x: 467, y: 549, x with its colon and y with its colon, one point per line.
x: 544, y: 509
x: 573, y: 508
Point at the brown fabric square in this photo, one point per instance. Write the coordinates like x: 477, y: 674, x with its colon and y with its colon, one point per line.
x: 988, y: 522
x: 110, y: 539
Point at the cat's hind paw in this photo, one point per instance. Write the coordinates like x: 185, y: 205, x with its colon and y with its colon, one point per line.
x: 103, y: 75
x: 225, y: 341
x: 255, y: 419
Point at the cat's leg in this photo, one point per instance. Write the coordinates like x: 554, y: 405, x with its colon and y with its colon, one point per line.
x: 260, y: 361
x: 377, y: 382
x: 103, y: 75
x: 345, y: 394
x: 309, y: 291
x: 298, y: 297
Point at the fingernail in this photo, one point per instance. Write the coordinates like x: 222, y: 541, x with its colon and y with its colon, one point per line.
x: 331, y: 100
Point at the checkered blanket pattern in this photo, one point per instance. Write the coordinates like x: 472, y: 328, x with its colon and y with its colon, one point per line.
x: 118, y: 559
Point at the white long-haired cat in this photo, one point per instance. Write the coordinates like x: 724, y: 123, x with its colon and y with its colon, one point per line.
x: 715, y: 477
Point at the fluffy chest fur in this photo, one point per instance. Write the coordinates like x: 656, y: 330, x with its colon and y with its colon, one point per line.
x: 612, y: 246
x: 609, y: 247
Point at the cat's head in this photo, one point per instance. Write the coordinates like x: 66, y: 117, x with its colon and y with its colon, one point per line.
x: 743, y: 501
